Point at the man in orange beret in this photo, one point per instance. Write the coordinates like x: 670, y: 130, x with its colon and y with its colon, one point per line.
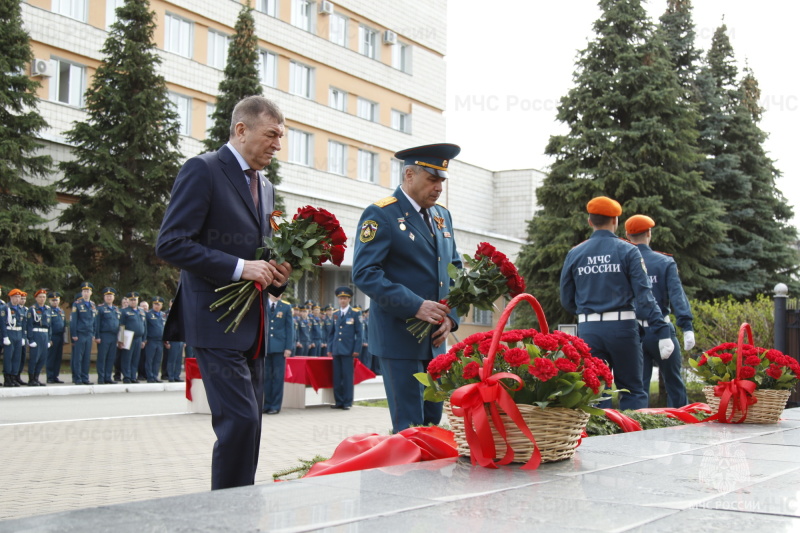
x: 15, y: 321
x: 668, y: 291
x: 603, y: 280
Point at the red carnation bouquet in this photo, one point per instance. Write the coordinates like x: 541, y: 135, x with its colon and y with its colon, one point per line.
x: 487, y: 276
x: 311, y: 238
x: 768, y: 369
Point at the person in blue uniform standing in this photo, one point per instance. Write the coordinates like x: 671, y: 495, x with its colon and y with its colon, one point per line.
x: 174, y: 357
x: 405, y: 244
x: 3, y: 324
x: 55, y: 355
x: 343, y: 345
x: 668, y: 292
x: 279, y: 347
x: 23, y: 312
x: 303, y: 338
x: 81, y: 327
x: 317, y: 334
x: 105, y: 335
x: 132, y: 319
x: 15, y: 320
x: 602, y: 281
x: 38, y: 333
x: 154, y: 349
x: 366, y: 357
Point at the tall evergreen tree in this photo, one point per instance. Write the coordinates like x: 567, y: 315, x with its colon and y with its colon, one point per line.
x: 632, y: 137
x: 677, y: 29
x: 241, y: 80
x: 125, y: 160
x: 30, y: 256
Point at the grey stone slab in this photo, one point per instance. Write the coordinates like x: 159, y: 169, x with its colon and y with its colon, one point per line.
x: 720, y: 520
x: 635, y: 445
x: 791, y: 414
x: 789, y: 437
x: 779, y: 495
x: 751, y: 450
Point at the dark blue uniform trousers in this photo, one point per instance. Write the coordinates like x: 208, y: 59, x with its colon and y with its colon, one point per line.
x: 106, y: 353
x: 404, y: 394
x: 274, y: 374
x: 670, y: 368
x: 235, y: 389
x: 618, y: 344
x: 343, y: 380
x: 81, y: 357
x: 55, y: 355
x: 153, y: 352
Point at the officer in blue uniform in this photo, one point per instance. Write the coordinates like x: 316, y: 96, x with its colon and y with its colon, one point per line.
x: 3, y: 324
x: 280, y: 345
x: 603, y: 279
x: 154, y: 349
x: 81, y: 327
x: 171, y: 371
x: 303, y: 337
x: 105, y: 335
x: 405, y: 244
x: 318, y: 337
x: 15, y: 320
x: 23, y: 312
x: 133, y: 319
x: 366, y: 357
x: 327, y: 325
x: 668, y: 292
x: 55, y: 355
x: 343, y: 345
x: 38, y: 334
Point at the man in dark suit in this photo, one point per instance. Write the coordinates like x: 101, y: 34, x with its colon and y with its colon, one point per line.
x: 344, y: 343
x: 404, y: 246
x: 216, y: 220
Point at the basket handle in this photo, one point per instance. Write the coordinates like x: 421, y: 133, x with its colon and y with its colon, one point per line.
x: 744, y: 328
x: 488, y: 363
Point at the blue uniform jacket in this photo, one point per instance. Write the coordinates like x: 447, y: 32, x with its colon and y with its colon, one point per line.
x: 38, y: 318
x: 155, y: 325
x: 82, y: 319
x: 346, y: 336
x: 303, y: 332
x: 15, y: 322
x: 3, y: 319
x: 108, y: 319
x: 398, y: 264
x: 134, y: 320
x: 606, y: 273
x: 281, y: 329
x: 667, y: 286
x: 56, y: 321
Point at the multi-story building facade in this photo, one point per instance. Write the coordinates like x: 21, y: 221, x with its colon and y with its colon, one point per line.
x: 357, y: 80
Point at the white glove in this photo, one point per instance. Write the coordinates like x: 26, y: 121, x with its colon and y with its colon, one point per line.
x: 665, y: 348
x: 32, y: 344
x: 50, y: 344
x: 688, y: 340
x: 23, y: 342
x: 6, y: 341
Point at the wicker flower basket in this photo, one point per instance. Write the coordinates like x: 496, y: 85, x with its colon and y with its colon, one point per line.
x: 556, y: 429
x: 767, y: 410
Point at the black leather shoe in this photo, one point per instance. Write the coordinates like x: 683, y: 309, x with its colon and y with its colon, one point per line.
x: 127, y: 380
x: 273, y: 412
x: 337, y: 407
x: 346, y: 407
x: 58, y: 380
x: 88, y: 383
x: 178, y: 380
x: 52, y: 381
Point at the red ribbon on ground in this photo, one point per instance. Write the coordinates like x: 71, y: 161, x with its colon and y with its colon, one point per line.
x: 625, y: 422
x: 684, y: 414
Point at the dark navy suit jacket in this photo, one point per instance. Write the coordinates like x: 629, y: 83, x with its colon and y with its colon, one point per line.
x: 210, y: 223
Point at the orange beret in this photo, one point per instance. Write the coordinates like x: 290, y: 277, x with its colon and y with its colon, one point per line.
x: 40, y: 291
x: 638, y: 224
x: 602, y: 205
x: 15, y: 292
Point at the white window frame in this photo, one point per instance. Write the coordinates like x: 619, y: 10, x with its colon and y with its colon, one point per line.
x: 401, y: 57
x: 337, y: 158
x: 218, y: 44
x: 183, y: 106
x: 301, y: 144
x: 111, y: 11
x: 337, y: 99
x: 268, y: 68
x: 210, y: 108
x: 303, y: 14
x: 76, y: 82
x: 337, y: 31
x: 269, y: 7
x: 401, y: 121
x: 397, y: 173
x: 368, y: 41
x: 367, y: 166
x: 482, y: 317
x: 178, y: 35
x: 301, y: 80
x: 367, y: 109
x: 74, y: 9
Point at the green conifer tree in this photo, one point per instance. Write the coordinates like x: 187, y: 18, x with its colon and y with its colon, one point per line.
x: 30, y: 256
x: 241, y: 80
x: 631, y: 137
x: 125, y: 160
x: 677, y: 30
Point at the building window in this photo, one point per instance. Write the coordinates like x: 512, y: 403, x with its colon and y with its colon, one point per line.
x: 210, y: 108
x: 68, y: 84
x: 300, y: 147
x: 217, y: 49
x: 367, y: 110
x: 482, y: 317
x: 401, y: 57
x: 338, y: 29
x: 268, y: 69
x: 397, y: 173
x: 111, y: 11
x: 300, y: 80
x: 183, y: 106
x: 178, y: 35
x: 75, y: 9
x: 337, y: 99
x: 368, y: 42
x: 401, y: 121
x: 302, y: 11
x: 337, y: 158
x: 270, y: 7
x: 367, y: 166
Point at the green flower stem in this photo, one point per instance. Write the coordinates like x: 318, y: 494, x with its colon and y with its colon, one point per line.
x: 225, y: 299
x: 238, y: 319
x: 234, y: 284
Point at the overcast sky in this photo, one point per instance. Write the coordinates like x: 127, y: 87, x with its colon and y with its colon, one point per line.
x: 508, y: 65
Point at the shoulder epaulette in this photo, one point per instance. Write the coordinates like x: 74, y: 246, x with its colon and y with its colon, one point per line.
x: 440, y: 204
x: 663, y: 253
x: 386, y: 201
x: 287, y: 302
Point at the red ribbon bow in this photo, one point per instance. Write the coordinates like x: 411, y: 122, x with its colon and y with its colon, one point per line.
x: 272, y: 219
x: 740, y: 390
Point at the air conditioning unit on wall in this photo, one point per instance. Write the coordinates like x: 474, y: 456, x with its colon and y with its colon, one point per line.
x: 389, y: 37
x: 325, y: 7
x: 42, y: 67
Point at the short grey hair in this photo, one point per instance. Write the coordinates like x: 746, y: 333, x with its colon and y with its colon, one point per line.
x: 248, y: 109
x: 415, y: 168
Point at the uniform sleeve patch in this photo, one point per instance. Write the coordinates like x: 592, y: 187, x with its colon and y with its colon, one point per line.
x: 368, y: 230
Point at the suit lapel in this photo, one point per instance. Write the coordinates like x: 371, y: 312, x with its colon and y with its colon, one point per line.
x: 234, y: 173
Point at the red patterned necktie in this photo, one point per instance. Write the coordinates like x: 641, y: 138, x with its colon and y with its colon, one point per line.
x: 253, y: 175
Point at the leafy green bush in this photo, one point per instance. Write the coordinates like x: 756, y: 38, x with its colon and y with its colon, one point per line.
x: 718, y: 321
